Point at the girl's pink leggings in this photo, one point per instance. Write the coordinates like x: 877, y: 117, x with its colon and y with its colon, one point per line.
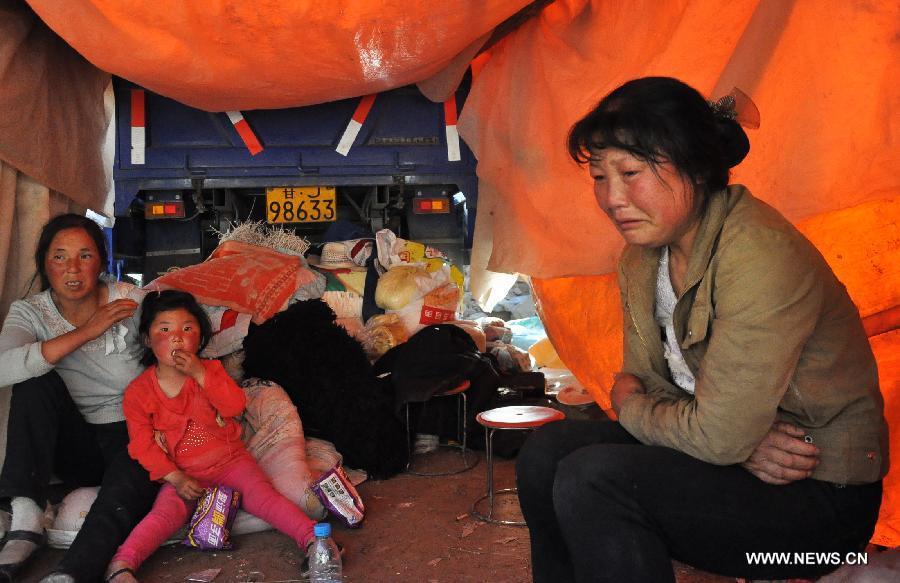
x: 258, y: 497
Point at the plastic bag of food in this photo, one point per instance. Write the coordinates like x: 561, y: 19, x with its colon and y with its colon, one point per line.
x: 393, y: 251
x: 339, y: 495
x: 383, y: 332
x: 403, y: 284
x: 210, y: 527
x: 438, y: 306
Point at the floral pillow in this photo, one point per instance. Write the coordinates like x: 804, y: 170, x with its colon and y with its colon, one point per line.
x: 247, y: 278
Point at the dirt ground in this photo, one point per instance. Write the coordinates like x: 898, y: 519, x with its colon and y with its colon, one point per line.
x: 417, y: 530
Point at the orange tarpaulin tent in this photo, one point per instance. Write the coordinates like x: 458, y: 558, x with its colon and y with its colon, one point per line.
x: 821, y: 73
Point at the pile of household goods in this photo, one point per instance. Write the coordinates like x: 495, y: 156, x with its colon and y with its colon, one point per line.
x: 331, y: 343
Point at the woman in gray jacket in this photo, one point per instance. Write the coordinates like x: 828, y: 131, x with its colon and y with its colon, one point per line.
x: 70, y: 351
x: 749, y: 415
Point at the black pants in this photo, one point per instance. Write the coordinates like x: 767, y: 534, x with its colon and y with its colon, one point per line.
x: 48, y: 436
x: 602, y: 507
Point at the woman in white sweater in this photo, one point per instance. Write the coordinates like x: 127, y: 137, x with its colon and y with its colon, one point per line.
x: 70, y: 351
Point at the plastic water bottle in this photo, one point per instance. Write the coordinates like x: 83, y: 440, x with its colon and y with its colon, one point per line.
x: 325, y: 559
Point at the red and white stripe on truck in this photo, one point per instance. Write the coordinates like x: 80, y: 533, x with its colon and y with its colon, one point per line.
x: 356, y: 123
x: 138, y: 126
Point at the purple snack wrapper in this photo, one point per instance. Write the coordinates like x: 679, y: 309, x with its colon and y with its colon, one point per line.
x: 210, y: 527
x: 339, y: 495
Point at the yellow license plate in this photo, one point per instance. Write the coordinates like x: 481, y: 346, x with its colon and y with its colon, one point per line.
x: 301, y: 204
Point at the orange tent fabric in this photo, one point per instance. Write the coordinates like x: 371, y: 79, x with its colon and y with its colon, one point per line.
x: 887, y: 352
x: 822, y: 74
x: 235, y: 54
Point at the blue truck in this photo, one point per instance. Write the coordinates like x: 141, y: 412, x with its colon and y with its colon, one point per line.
x: 392, y: 160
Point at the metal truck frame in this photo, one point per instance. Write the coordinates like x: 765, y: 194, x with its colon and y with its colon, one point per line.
x: 181, y: 174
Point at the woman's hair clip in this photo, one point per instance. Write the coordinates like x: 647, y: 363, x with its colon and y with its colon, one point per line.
x: 736, y: 106
x: 723, y: 107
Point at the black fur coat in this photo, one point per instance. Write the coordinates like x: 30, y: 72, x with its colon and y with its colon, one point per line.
x: 328, y: 377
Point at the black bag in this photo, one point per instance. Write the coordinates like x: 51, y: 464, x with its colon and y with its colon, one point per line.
x: 436, y: 359
x: 328, y: 377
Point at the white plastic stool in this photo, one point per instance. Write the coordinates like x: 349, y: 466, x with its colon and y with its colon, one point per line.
x: 519, y: 417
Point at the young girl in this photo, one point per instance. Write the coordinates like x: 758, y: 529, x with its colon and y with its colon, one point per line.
x: 180, y: 413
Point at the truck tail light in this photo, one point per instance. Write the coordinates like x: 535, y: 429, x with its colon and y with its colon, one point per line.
x: 164, y: 210
x: 422, y: 206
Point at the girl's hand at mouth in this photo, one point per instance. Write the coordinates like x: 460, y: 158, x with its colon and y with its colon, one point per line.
x: 189, y: 364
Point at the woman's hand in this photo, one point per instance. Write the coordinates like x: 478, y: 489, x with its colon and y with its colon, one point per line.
x: 107, y: 315
x: 783, y: 456
x: 100, y: 321
x: 186, y: 486
x: 624, y: 386
x: 189, y: 364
